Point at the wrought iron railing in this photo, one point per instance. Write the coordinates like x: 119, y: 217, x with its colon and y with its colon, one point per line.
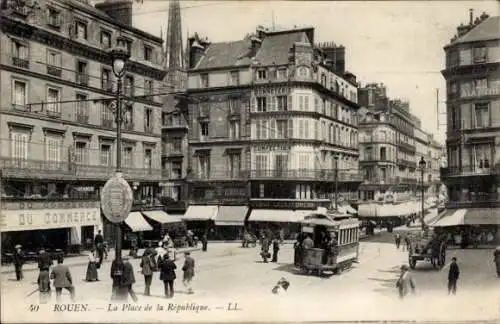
x: 298, y: 174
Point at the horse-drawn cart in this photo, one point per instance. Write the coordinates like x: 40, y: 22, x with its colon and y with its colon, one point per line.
x: 427, y: 246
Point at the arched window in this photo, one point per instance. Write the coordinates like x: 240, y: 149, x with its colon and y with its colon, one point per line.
x: 323, y: 79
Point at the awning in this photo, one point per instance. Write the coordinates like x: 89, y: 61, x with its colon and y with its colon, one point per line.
x: 451, y: 218
x: 200, y: 212
x: 231, y: 216
x: 162, y: 217
x: 342, y: 209
x: 137, y: 223
x: 349, y: 209
x: 274, y: 215
x: 482, y: 216
x: 301, y: 214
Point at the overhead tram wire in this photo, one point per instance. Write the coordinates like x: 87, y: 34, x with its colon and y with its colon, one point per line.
x: 182, y: 8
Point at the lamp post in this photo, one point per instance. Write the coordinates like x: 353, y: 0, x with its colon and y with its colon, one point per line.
x: 422, y: 164
x: 336, y: 182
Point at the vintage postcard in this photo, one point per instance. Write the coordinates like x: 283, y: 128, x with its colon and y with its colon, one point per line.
x: 249, y: 161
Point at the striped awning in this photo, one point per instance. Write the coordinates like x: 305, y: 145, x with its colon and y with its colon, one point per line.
x: 200, y: 212
x: 137, y: 223
x: 274, y: 215
x: 231, y: 216
x: 161, y: 217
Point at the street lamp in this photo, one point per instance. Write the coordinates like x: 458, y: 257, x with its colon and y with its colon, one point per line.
x: 422, y: 164
x: 336, y: 182
x: 120, y: 55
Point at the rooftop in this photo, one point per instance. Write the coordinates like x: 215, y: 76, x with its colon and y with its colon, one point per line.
x: 489, y: 29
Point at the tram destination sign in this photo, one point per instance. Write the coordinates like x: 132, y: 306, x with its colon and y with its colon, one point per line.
x: 116, y: 199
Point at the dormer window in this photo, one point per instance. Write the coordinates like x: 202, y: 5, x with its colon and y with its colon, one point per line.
x: 480, y: 54
x: 282, y: 74
x: 105, y: 39
x: 262, y: 75
x: 303, y: 72
x: 148, y: 53
x: 81, y: 30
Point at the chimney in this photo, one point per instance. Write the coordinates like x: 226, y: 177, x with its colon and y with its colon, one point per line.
x: 471, y: 16
x: 256, y: 43
x: 196, y: 49
x: 120, y: 10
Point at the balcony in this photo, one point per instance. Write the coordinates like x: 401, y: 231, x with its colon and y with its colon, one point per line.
x: 149, y: 129
x: 482, y: 200
x: 53, y: 114
x: 54, y: 70
x: 271, y: 203
x: 84, y: 119
x: 173, y: 153
x: 82, y: 79
x: 40, y: 169
x: 407, y: 163
x: 376, y: 139
x: 381, y: 181
x: 171, y: 175
x: 407, y: 147
x: 227, y: 201
x: 220, y: 175
x: 175, y: 126
x: 107, y: 123
x: 468, y: 170
x: 21, y: 63
x: 25, y: 108
x: 305, y: 174
x: 19, y: 10
x: 405, y: 180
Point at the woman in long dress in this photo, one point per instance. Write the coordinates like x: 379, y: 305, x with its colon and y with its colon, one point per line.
x: 92, y: 268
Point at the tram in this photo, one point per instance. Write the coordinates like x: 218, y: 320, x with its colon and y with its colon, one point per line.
x: 328, y: 242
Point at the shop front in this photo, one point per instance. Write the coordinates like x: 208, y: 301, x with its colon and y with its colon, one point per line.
x: 53, y: 225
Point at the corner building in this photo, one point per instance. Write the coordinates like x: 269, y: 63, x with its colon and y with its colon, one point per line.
x: 472, y: 176
x: 273, y: 124
x: 58, y: 138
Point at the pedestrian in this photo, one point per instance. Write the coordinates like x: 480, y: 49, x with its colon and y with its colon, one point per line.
x: 62, y: 279
x: 188, y: 269
x: 308, y: 243
x: 99, y: 244
x: 18, y: 260
x: 276, y: 248
x: 453, y: 274
x: 265, y: 249
x: 44, y: 263
x: 405, y: 282
x: 167, y: 275
x: 91, y: 274
x: 160, y: 252
x: 407, y: 243
x: 128, y: 278
x: 117, y: 273
x: 204, y: 242
x: 397, y: 239
x: 496, y: 259
x: 147, y: 270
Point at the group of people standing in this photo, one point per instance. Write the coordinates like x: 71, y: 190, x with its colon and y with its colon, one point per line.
x: 266, y: 242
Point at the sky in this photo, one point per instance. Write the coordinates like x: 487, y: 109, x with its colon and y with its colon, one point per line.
x: 397, y: 43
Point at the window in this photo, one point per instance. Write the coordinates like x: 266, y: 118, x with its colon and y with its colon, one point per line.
x: 106, y: 115
x: 105, y: 155
x: 301, y: 128
x: 282, y: 74
x: 19, y: 95
x: 82, y: 75
x: 53, y: 63
x: 82, y: 112
x: 20, y: 50
x: 234, y: 106
x: 176, y: 145
x: 53, y: 150
x: 106, y: 80
x: 234, y: 165
x: 261, y: 75
x: 383, y: 154
x: 148, y: 53
x: 129, y: 85
x: 204, y: 80
x: 148, y: 87
x: 234, y: 78
x: 482, y: 157
x: 128, y: 116
x: 282, y: 129
x: 204, y: 166
x: 176, y: 170
x: 234, y: 129
x: 203, y: 129
x: 19, y: 145
x: 261, y: 163
x: 54, y: 18
x: 261, y: 104
x: 53, y: 104
x: 303, y: 72
x: 127, y: 156
x: 263, y: 129
x: 480, y: 54
x: 81, y: 30
x: 148, y: 158
x: 482, y: 115
x: 129, y: 45
x: 148, y: 119
x: 282, y: 103
x: 105, y: 39
x: 81, y: 152
x: 280, y: 163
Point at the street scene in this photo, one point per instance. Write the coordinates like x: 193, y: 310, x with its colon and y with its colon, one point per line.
x: 191, y: 161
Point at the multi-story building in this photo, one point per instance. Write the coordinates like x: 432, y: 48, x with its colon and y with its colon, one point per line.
x: 472, y: 76
x: 272, y: 124
x: 57, y: 135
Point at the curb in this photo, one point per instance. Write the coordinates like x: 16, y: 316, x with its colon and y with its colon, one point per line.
x: 84, y: 262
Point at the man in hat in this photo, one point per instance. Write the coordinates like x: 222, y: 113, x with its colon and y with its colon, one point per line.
x: 453, y: 274
x: 405, y: 282
x: 496, y: 259
x: 18, y: 260
x: 62, y: 279
x: 188, y: 269
x: 44, y: 263
x: 99, y: 245
x: 128, y: 278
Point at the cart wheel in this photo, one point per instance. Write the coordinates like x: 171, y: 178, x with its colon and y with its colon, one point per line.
x: 412, y: 263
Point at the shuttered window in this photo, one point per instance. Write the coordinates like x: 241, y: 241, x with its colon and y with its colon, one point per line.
x: 19, y: 145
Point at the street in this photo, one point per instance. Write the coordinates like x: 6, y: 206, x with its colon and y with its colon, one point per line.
x: 228, y: 273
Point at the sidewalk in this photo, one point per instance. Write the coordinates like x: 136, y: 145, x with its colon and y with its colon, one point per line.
x: 83, y: 260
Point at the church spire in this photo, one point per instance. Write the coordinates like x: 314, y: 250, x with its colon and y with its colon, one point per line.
x: 174, y: 55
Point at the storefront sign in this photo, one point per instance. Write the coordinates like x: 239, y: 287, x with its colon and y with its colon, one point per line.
x: 59, y: 204
x: 116, y: 198
x: 25, y: 220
